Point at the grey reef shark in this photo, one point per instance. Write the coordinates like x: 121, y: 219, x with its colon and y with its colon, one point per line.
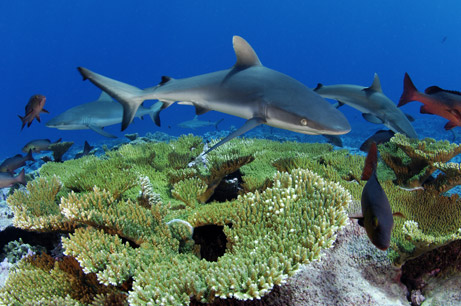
x: 197, y: 124
x: 98, y: 114
x: 375, y: 106
x: 247, y: 90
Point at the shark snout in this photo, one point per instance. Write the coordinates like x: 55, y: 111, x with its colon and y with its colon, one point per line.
x: 337, y: 125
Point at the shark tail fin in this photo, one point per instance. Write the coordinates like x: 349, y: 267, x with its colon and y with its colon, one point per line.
x: 129, y: 96
x: 155, y: 112
x: 370, y: 162
x: 409, y: 91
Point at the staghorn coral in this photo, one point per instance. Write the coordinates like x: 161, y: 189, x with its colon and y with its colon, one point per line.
x: 414, y: 161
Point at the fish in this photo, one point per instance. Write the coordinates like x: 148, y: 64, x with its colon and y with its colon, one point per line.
x: 334, y: 140
x: 247, y: 90
x: 376, y: 217
x: 381, y: 136
x: 86, y: 150
x: 33, y: 109
x: 98, y: 114
x: 7, y: 179
x: 15, y: 162
x: 196, y: 123
x: 437, y: 101
x: 375, y: 106
x: 39, y: 145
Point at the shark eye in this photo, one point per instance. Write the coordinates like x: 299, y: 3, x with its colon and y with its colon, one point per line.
x: 303, y: 122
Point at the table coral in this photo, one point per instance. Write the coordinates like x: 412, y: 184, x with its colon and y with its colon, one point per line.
x: 135, y: 242
x: 414, y: 161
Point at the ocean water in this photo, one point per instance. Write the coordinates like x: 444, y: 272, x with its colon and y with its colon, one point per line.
x: 43, y: 42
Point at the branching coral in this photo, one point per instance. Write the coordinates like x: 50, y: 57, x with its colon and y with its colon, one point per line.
x: 132, y: 216
x: 37, y: 207
x: 414, y: 161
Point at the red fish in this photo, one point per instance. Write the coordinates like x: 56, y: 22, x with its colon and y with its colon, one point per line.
x: 33, y: 109
x: 437, y: 101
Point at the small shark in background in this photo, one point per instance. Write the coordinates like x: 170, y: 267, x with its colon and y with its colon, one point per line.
x: 376, y: 217
x: 7, y: 179
x: 15, y: 162
x: 197, y: 124
x: 39, y: 145
x: 437, y: 101
x: 33, y: 109
x: 98, y: 114
x: 86, y: 150
x: 247, y: 90
x: 371, y: 101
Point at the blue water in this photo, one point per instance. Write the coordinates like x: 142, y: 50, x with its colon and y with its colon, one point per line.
x: 42, y: 43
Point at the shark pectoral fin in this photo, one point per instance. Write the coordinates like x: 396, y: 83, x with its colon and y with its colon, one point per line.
x: 372, y: 118
x: 100, y: 131
x: 338, y: 104
x: 250, y: 124
x: 199, y: 110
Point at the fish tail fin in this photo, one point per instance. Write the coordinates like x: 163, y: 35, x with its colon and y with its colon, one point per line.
x: 218, y: 122
x: 129, y: 96
x: 409, y: 91
x: 29, y: 155
x: 21, y: 177
x: 23, y: 122
x: 155, y: 112
x: 370, y: 162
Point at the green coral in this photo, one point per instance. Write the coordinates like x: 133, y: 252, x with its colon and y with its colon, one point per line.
x: 414, y: 161
x: 136, y: 224
x: 122, y: 233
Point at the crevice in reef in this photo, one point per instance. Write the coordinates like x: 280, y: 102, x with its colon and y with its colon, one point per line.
x: 417, y: 272
x: 228, y: 189
x: 212, y: 241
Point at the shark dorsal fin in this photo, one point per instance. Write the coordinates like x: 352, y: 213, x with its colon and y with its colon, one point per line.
x: 246, y: 56
x: 104, y: 97
x: 375, y: 87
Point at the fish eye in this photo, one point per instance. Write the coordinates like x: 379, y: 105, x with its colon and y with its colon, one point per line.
x: 303, y: 121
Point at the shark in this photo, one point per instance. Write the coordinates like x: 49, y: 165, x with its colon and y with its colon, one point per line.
x: 375, y: 106
x: 247, y: 90
x: 197, y: 124
x: 98, y: 114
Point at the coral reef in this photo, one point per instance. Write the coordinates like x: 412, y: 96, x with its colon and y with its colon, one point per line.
x: 414, y: 161
x: 129, y: 233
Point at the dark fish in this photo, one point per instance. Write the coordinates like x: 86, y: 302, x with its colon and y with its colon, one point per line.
x: 7, y: 179
x: 33, y: 109
x: 376, y: 217
x: 13, y: 163
x: 39, y: 145
x: 86, y: 150
x: 334, y: 140
x: 437, y: 101
x: 444, y: 39
x: 381, y: 136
